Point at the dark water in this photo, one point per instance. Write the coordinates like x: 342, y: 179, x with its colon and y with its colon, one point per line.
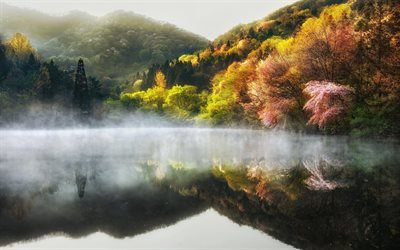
x: 166, y: 188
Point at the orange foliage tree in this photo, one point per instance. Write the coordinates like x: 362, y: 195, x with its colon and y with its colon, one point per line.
x: 325, y: 46
x: 276, y: 93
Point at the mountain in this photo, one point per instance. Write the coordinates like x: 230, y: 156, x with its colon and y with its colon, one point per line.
x: 282, y: 22
x: 113, y: 46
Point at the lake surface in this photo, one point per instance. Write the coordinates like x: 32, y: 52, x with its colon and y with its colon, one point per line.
x: 208, y: 230
x: 180, y: 188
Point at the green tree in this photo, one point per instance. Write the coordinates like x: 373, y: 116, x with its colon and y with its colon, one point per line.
x: 4, y: 63
x: 32, y: 64
x: 44, y: 88
x: 223, y: 104
x: 183, y: 101
x: 133, y: 101
x: 95, y: 91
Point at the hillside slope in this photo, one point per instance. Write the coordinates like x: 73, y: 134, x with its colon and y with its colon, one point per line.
x: 113, y: 46
x: 328, y: 66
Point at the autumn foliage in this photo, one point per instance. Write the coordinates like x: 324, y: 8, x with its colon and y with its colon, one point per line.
x: 325, y: 46
x: 329, y: 66
x: 277, y: 90
x: 336, y: 72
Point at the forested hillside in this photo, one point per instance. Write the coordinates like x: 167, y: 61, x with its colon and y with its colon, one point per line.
x: 328, y: 66
x: 39, y: 92
x: 113, y: 46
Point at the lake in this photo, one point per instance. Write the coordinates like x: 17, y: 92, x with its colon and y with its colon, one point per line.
x: 196, y: 188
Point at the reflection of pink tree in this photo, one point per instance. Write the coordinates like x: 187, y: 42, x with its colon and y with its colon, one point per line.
x: 328, y: 102
x: 317, y: 181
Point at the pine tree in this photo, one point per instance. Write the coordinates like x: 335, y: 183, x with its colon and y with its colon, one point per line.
x: 81, y: 96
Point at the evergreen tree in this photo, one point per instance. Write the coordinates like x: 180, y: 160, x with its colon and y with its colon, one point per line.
x: 44, y: 87
x: 94, y: 88
x: 4, y: 63
x: 32, y: 64
x: 81, y: 96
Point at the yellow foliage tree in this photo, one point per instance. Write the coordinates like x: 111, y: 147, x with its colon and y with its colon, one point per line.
x: 20, y: 46
x: 193, y: 59
x: 160, y: 80
x: 205, y: 54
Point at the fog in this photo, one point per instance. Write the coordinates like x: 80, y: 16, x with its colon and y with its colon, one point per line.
x: 79, y: 179
x: 46, y: 155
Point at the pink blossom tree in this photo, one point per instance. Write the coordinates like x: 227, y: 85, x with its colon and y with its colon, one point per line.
x: 329, y: 102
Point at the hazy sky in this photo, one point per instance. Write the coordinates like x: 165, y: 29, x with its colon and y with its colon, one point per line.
x: 208, y: 18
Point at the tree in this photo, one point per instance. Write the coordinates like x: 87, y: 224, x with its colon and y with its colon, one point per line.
x: 183, y: 101
x: 19, y: 47
x: 276, y: 94
x: 329, y: 103
x: 44, y: 87
x: 154, y: 99
x: 160, y: 80
x: 94, y: 88
x: 252, y: 33
x: 133, y: 101
x: 151, y: 100
x: 377, y: 71
x: 32, y: 64
x: 81, y: 96
x: 61, y: 82
x: 228, y: 91
x: 325, y: 46
x: 4, y: 63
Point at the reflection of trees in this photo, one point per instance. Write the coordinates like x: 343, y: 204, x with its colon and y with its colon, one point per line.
x: 47, y: 206
x: 269, y: 194
x: 121, y: 214
x: 361, y: 215
x: 317, y: 179
x: 81, y: 173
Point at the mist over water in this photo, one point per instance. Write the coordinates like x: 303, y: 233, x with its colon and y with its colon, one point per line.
x: 77, y: 181
x: 28, y: 156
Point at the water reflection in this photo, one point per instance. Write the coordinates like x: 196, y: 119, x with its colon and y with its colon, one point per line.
x: 309, y: 192
x: 194, y: 231
x: 81, y: 179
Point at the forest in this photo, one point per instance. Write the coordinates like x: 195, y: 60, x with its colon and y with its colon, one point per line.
x: 327, y: 67
x: 113, y: 46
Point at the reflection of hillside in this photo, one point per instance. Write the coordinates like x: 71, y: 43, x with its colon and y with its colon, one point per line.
x: 362, y: 215
x: 119, y: 214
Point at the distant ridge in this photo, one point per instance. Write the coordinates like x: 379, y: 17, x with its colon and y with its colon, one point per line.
x: 113, y: 46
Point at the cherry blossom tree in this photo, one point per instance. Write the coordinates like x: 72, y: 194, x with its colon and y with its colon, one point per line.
x: 328, y: 102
